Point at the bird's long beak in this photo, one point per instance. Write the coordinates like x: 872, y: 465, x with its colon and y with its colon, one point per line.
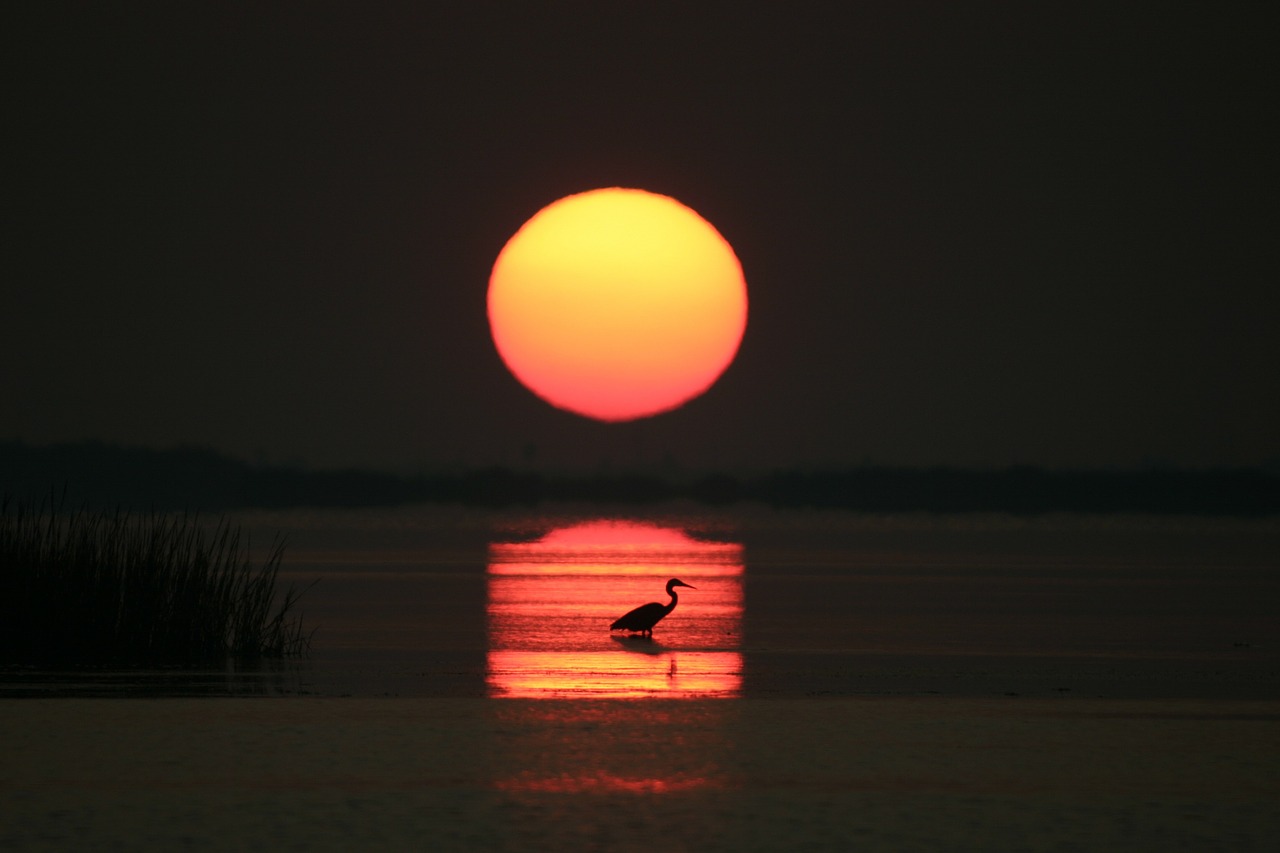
x: 691, y: 586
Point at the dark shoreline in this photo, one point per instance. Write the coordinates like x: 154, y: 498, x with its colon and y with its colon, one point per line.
x: 108, y: 476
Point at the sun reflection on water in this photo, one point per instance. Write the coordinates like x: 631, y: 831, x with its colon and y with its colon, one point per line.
x: 551, y: 601
x: 653, y: 748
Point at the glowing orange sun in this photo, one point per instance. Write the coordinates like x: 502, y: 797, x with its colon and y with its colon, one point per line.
x: 617, y: 304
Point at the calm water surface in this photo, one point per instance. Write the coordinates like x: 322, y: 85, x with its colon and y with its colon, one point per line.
x: 428, y: 601
x: 835, y: 682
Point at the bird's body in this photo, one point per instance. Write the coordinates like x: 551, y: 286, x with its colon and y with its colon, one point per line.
x: 643, y: 618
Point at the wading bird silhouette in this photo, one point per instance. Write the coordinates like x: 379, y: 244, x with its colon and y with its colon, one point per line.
x: 643, y: 618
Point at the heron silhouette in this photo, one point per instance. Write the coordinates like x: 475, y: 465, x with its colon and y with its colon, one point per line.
x: 643, y: 618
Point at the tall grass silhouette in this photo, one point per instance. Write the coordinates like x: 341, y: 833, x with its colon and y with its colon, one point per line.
x: 93, y: 588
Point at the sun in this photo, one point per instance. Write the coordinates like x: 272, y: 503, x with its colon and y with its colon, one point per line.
x: 617, y: 304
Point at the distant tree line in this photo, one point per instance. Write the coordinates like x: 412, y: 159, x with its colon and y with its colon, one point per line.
x: 103, y: 475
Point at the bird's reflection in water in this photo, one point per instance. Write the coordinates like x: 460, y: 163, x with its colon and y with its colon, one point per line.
x: 639, y: 643
x: 551, y: 602
x: 614, y: 674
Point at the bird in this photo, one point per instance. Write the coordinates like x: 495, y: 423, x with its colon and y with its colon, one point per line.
x: 643, y: 618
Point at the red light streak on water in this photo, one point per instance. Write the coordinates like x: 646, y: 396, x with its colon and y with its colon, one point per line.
x: 605, y: 783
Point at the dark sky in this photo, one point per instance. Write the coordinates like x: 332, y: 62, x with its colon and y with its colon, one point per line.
x: 973, y: 234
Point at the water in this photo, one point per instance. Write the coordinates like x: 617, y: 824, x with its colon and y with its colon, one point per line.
x: 835, y: 682
x: 442, y: 602
x: 436, y: 602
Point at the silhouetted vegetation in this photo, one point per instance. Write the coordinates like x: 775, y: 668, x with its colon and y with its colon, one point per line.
x: 106, y: 476
x: 84, y: 588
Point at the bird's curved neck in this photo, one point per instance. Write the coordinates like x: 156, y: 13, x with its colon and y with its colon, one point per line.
x: 671, y: 591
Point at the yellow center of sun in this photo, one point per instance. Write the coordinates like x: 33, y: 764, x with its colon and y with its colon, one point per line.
x: 617, y: 304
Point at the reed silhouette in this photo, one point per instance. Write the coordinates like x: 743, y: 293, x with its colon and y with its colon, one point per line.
x: 92, y: 588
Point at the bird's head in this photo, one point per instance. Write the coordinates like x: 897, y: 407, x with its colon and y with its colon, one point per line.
x: 675, y: 582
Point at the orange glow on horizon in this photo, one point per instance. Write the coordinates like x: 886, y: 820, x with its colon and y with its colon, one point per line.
x: 613, y: 547
x: 617, y: 304
x: 643, y: 535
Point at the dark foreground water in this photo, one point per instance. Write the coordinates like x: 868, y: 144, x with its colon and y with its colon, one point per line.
x: 833, y: 682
